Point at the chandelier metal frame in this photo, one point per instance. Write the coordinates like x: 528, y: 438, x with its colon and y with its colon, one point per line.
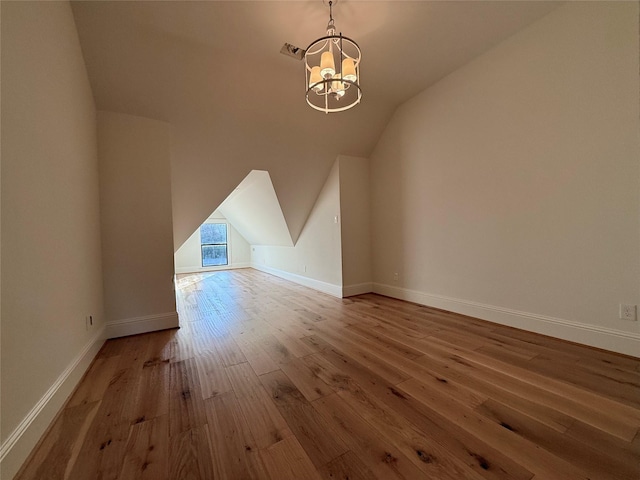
x: 338, y: 88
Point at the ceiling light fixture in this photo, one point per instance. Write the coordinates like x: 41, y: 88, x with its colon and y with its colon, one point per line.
x: 332, y: 71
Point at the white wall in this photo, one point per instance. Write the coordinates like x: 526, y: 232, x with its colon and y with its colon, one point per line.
x: 137, y: 229
x: 315, y: 260
x: 510, y: 189
x: 355, y: 207
x: 253, y: 208
x: 188, y: 258
x: 51, y: 270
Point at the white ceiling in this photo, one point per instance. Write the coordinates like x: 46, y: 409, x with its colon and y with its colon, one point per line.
x: 213, y: 70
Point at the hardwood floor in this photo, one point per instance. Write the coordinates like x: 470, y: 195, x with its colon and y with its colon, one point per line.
x: 270, y: 380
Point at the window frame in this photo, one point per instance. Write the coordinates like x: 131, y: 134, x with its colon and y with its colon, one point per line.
x: 227, y: 244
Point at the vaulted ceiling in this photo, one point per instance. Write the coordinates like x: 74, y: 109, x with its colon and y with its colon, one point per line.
x: 214, y: 72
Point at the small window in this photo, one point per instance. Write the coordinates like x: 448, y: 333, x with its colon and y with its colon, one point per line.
x: 213, y: 242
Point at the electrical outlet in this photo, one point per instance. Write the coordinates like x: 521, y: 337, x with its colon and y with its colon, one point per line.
x: 396, y: 277
x: 88, y: 322
x: 628, y: 312
x: 304, y: 268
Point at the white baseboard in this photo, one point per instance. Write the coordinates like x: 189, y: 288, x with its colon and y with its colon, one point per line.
x: 330, y: 288
x: 136, y: 325
x: 619, y: 341
x: 199, y: 269
x: 357, y: 289
x: 19, y: 444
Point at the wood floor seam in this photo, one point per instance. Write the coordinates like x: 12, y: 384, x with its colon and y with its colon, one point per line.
x: 269, y: 380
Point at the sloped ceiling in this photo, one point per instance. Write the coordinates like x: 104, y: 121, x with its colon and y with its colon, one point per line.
x: 213, y: 70
x: 254, y: 211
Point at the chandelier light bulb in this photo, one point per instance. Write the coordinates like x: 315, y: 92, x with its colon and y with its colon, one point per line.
x: 349, y: 70
x: 337, y: 86
x: 315, y: 80
x: 327, y: 65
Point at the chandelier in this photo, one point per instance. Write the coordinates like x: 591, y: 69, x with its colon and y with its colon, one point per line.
x: 332, y: 71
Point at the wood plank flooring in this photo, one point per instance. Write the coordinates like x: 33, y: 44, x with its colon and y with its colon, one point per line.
x: 267, y: 379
